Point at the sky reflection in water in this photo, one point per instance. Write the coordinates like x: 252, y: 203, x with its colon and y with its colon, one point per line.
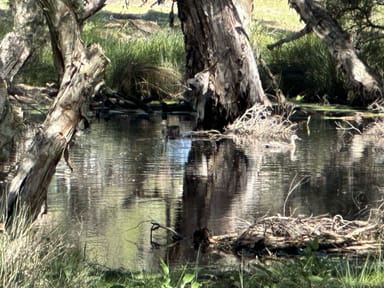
x: 126, y: 174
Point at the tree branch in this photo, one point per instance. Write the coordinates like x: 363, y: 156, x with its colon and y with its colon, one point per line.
x: 294, y: 36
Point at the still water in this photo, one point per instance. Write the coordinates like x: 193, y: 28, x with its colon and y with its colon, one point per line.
x: 127, y: 175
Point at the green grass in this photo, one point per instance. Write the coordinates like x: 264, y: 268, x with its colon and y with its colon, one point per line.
x: 305, y: 67
x: 133, y: 56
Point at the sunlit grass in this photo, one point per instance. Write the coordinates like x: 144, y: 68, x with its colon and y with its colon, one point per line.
x: 164, y: 49
x: 41, y: 256
x: 4, y: 4
x: 276, y: 15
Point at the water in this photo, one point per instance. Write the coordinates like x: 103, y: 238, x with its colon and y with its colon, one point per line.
x: 127, y: 175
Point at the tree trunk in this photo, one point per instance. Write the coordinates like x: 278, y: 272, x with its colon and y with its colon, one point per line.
x: 27, y: 34
x: 83, y: 74
x: 7, y: 123
x: 220, y: 65
x: 363, y: 87
x: 15, y: 48
x: 244, y: 9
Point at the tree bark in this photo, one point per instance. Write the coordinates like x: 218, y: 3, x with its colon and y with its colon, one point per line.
x: 27, y: 34
x: 15, y: 48
x: 83, y: 74
x: 7, y: 123
x: 362, y: 84
x: 244, y: 9
x: 220, y: 65
x: 81, y: 10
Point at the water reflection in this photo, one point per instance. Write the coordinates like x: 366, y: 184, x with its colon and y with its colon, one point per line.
x: 126, y: 174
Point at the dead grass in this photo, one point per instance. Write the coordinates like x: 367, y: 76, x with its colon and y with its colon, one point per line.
x: 258, y: 122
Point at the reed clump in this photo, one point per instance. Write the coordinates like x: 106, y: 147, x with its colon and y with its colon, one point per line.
x: 33, y: 255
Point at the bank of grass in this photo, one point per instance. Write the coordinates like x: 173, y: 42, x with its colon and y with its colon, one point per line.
x: 163, y: 50
x: 42, y: 256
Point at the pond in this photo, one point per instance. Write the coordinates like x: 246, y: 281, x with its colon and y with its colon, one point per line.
x: 126, y: 176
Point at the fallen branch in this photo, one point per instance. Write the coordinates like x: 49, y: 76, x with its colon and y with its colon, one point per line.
x: 289, y: 236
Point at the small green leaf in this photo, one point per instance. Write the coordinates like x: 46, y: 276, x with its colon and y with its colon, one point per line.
x: 187, y: 278
x: 164, y: 267
x: 195, y: 285
x: 314, y: 278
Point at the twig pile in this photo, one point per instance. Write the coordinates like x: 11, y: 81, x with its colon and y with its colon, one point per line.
x: 258, y: 122
x: 280, y: 235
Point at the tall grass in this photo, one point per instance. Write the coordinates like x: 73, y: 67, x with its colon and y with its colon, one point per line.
x: 32, y: 256
x: 132, y: 57
x: 306, y: 67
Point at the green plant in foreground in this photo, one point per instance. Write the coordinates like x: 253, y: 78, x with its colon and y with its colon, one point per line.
x: 39, y: 256
x: 186, y: 279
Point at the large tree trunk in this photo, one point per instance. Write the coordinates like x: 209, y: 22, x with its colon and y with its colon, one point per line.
x: 363, y: 87
x: 220, y: 66
x: 83, y: 73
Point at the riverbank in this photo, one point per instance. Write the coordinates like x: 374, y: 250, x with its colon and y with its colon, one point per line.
x: 53, y: 258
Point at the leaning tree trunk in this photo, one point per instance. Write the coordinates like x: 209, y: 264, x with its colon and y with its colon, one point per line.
x: 363, y: 87
x: 220, y: 65
x: 83, y: 74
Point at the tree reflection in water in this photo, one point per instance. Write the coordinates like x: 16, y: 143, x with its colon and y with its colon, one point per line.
x: 126, y: 174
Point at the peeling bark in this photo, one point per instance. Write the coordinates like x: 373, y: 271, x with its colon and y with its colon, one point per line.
x: 362, y: 84
x: 223, y: 77
x: 17, y: 46
x: 83, y: 74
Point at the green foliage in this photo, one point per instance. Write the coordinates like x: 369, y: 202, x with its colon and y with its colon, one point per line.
x: 39, y: 256
x: 305, y: 67
x: 185, y: 280
x: 141, y: 65
x: 39, y: 69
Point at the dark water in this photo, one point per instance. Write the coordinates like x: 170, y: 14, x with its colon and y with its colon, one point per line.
x: 126, y: 175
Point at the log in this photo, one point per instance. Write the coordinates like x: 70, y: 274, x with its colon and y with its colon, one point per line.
x: 362, y: 84
x: 83, y: 74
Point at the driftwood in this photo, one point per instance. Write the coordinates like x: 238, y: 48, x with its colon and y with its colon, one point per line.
x: 287, y: 236
x: 83, y: 75
x: 362, y: 85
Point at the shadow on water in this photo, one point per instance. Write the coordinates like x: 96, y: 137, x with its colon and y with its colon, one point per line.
x: 126, y: 174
